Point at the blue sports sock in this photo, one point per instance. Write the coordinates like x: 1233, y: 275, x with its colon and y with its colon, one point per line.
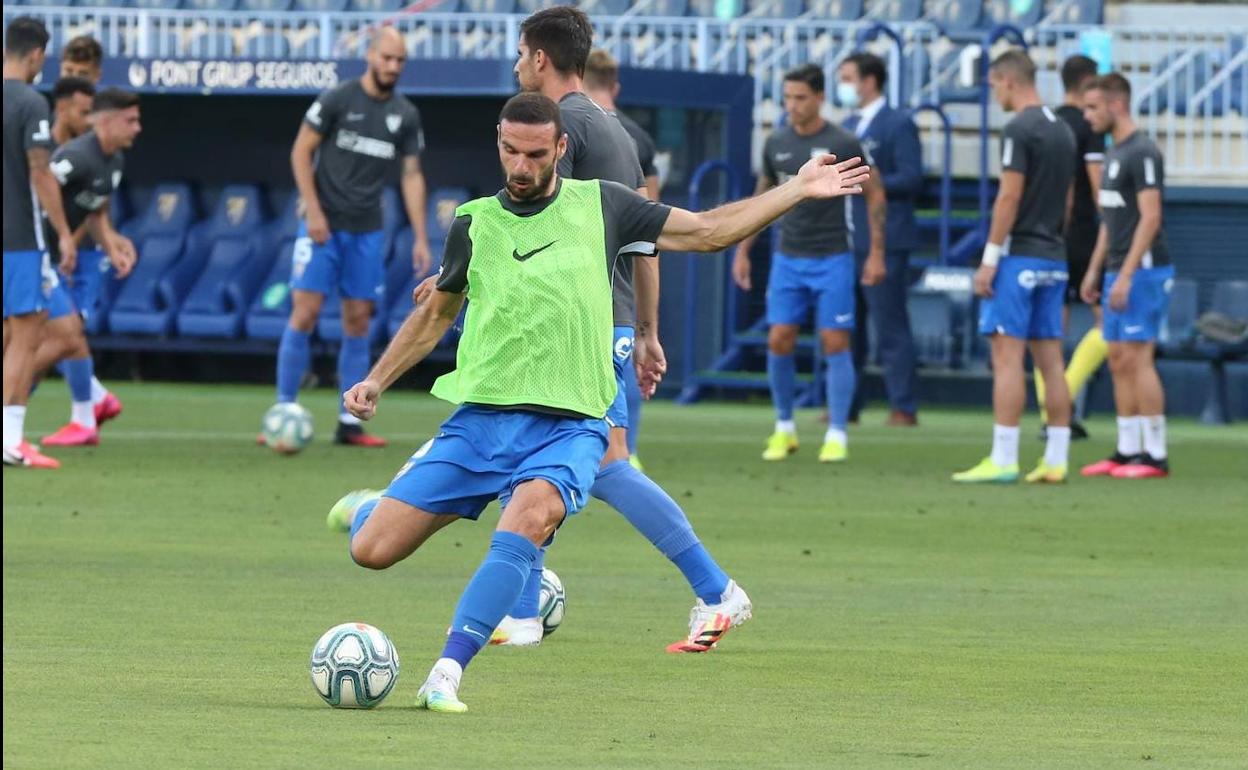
x: 293, y: 357
x: 657, y: 516
x: 488, y: 596
x: 352, y: 363
x: 78, y: 373
x: 361, y: 515
x: 782, y: 374
x: 632, y: 393
x: 530, y: 601
x: 840, y: 383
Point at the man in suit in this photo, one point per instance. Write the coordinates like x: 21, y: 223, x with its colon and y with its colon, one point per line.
x: 892, y: 139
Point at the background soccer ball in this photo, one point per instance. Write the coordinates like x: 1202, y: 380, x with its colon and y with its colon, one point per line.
x: 354, y: 666
x: 287, y: 428
x: 551, y: 603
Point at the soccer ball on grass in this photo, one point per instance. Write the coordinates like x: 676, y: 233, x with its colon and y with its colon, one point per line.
x: 287, y: 428
x: 354, y: 666
x: 551, y: 602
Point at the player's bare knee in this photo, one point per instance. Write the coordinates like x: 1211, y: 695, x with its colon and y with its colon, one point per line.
x: 782, y: 340
x: 371, y: 552
x: 834, y: 341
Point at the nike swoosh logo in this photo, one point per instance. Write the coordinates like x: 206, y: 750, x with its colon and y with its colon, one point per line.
x: 474, y: 633
x: 523, y: 257
x: 1132, y: 329
x: 783, y: 156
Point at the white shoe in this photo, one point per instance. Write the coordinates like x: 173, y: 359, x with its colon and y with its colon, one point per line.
x: 518, y: 632
x: 440, y: 692
x: 709, y: 622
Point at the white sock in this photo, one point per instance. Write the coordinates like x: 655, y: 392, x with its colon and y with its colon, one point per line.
x: 1155, y: 436
x: 1057, y: 448
x: 14, y: 424
x: 786, y: 426
x: 98, y: 391
x: 1129, y: 438
x: 450, y: 668
x: 1005, y: 445
x: 83, y: 413
x: 346, y: 418
x: 836, y: 434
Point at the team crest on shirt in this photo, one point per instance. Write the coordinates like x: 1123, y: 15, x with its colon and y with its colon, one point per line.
x: 393, y: 122
x: 1112, y: 172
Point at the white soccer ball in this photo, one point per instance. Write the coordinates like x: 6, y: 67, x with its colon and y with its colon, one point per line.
x: 551, y: 603
x: 354, y: 666
x: 287, y: 428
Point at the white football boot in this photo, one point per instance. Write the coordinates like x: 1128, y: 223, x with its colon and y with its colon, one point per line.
x: 518, y: 632
x: 709, y: 622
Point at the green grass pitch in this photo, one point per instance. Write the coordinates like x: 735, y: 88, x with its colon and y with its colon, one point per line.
x: 162, y: 594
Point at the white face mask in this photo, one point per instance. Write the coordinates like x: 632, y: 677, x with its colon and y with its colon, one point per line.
x: 847, y: 95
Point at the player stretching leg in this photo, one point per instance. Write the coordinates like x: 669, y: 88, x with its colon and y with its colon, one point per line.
x: 1024, y: 292
x: 88, y: 166
x: 356, y: 131
x: 536, y: 262
x: 813, y: 267
x: 1138, y: 276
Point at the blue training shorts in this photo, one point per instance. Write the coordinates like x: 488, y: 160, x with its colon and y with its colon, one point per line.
x: 481, y: 454
x: 82, y: 295
x: 621, y: 356
x: 1028, y: 294
x: 798, y: 282
x: 1147, y: 305
x: 28, y: 282
x: 348, y: 264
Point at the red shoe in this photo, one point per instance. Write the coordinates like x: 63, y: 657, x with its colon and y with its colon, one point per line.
x: 74, y: 434
x: 108, y: 408
x: 354, y: 435
x: 26, y: 456
x: 1108, y: 466
x: 1145, y: 468
x: 260, y: 440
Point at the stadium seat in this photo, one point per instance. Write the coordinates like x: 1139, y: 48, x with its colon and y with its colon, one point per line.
x: 774, y: 9
x: 400, y: 282
x: 1078, y: 12
x: 1230, y: 298
x: 954, y: 283
x: 210, y: 5
x: 529, y: 6
x: 605, y: 7
x: 1020, y: 13
x: 236, y: 263
x: 960, y: 20
x: 374, y: 6
x: 836, y: 10
x: 266, y: 318
x: 147, y: 302
x: 265, y: 6
x: 668, y: 8
x: 266, y: 46
x: 442, y: 205
x: 1180, y: 326
x: 156, y: 4
x: 321, y: 6
x: 895, y: 11
x: 932, y: 321
x: 489, y: 6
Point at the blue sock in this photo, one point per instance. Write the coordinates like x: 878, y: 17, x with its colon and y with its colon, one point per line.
x: 361, y: 515
x: 657, y: 516
x: 840, y: 381
x: 78, y: 373
x: 488, y: 596
x: 530, y: 601
x: 352, y: 363
x: 782, y: 374
x: 632, y: 392
x: 293, y: 357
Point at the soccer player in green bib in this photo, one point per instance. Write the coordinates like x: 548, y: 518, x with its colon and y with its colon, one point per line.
x: 534, y: 374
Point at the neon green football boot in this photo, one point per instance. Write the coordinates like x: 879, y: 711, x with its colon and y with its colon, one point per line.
x: 1047, y: 474
x: 833, y: 451
x: 988, y: 472
x: 343, y: 512
x: 440, y: 693
x: 780, y: 446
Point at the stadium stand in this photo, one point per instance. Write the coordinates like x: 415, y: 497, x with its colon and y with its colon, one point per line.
x: 151, y: 296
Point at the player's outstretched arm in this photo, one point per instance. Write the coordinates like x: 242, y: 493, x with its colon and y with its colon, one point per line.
x: 717, y: 229
x: 415, y: 339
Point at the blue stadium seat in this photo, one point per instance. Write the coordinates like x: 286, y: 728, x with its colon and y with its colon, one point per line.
x: 954, y: 283
x: 950, y: 90
x: 1231, y: 299
x: 265, y: 6
x: 960, y: 20
x: 97, y: 3
x: 1180, y: 326
x: 489, y: 6
x: 668, y: 8
x: 375, y: 6
x: 236, y: 263
x: 774, y: 9
x: 932, y: 322
x: 210, y: 5
x: 1079, y: 12
x: 716, y: 9
x: 158, y: 4
x: 836, y: 10
x: 148, y: 298
x: 899, y: 11
x: 219, y: 45
x: 400, y: 282
x: 321, y: 6
x: 266, y: 47
x: 605, y: 7
x: 271, y: 307
x: 1020, y: 13
x: 529, y: 6
x: 441, y: 214
x: 1189, y: 78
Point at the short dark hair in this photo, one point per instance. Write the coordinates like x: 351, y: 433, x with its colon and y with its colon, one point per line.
x: 114, y: 99
x: 810, y: 74
x: 25, y: 34
x: 67, y: 87
x: 601, y: 70
x: 83, y: 49
x: 1114, y: 84
x: 1076, y: 71
x: 532, y: 109
x: 564, y: 33
x: 869, y: 65
x: 1016, y: 62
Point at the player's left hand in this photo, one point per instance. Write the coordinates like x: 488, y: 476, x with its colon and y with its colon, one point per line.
x: 824, y: 177
x: 122, y: 254
x: 1121, y: 292
x: 983, y: 280
x: 361, y: 399
x: 873, y: 270
x: 650, y: 361
x: 421, y: 258
x: 424, y: 289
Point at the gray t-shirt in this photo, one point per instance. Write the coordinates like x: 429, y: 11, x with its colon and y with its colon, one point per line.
x: 646, y: 148
x: 631, y: 225
x: 1131, y: 166
x: 27, y: 125
x: 87, y: 177
x: 361, y: 139
x: 1040, y: 146
x: 600, y: 148
x: 816, y: 228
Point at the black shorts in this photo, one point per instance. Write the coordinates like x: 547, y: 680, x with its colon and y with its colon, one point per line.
x: 1080, y: 242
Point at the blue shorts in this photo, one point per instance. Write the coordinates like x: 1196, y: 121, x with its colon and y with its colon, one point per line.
x: 480, y: 454
x: 349, y: 265
x: 82, y: 295
x: 1147, y: 305
x: 1028, y: 294
x: 28, y: 282
x: 621, y: 356
x: 798, y: 282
